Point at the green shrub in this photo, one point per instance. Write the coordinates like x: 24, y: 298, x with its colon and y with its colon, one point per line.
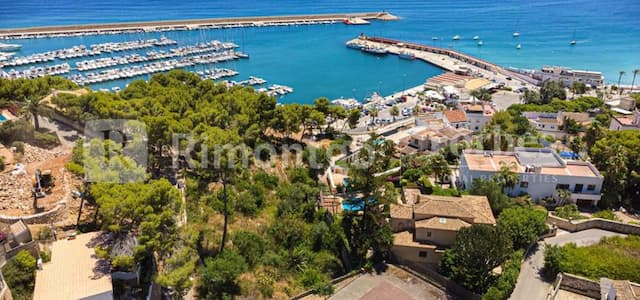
x: 1, y: 163
x: 75, y: 168
x: 502, y: 289
x: 569, y: 212
x: 101, y: 253
x: 45, y: 256
x: 425, y: 185
x: 613, y: 257
x: 19, y: 146
x: 605, y: 214
x: 19, y: 274
x: 451, y: 192
x: 267, y: 181
x: 123, y: 262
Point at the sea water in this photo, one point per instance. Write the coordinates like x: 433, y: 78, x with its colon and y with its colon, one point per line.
x: 315, y: 62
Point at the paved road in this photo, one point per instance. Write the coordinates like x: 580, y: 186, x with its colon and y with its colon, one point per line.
x: 531, y: 286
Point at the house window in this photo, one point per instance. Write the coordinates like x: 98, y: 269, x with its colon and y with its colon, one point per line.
x: 562, y: 187
x: 524, y: 184
x: 578, y: 188
x: 422, y: 253
x: 428, y: 233
x: 591, y: 187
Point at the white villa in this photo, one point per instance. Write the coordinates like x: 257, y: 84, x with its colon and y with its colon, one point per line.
x: 541, y: 172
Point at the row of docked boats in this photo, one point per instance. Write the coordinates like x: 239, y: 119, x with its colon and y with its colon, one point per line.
x: 9, y: 47
x: 378, y: 50
x: 275, y: 90
x: 83, y: 51
x: 150, y: 68
x: 217, y: 73
x: 35, y: 72
x: 212, y: 46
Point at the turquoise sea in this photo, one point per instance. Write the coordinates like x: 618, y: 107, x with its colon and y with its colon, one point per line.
x: 314, y: 61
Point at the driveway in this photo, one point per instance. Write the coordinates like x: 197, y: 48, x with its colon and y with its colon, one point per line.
x: 530, y: 285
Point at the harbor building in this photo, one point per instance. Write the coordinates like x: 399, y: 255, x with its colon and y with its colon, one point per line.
x: 568, y: 76
x: 541, y: 173
x: 428, y: 225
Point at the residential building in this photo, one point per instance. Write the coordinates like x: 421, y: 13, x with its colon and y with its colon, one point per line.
x: 626, y: 122
x: 478, y: 115
x: 553, y: 123
x: 75, y: 272
x: 430, y: 224
x: 456, y: 118
x: 436, y: 139
x: 568, y: 76
x: 541, y: 173
x: 18, y: 237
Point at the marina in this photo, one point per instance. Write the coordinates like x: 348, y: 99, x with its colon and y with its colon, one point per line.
x: 83, y: 51
x: 212, y: 46
x: 150, y: 68
x: 181, y: 25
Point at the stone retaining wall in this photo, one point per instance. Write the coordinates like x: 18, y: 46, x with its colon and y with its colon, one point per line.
x: 576, y: 284
x: 579, y: 225
x: 39, y: 218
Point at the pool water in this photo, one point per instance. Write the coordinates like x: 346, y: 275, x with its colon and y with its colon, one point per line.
x: 2, y: 118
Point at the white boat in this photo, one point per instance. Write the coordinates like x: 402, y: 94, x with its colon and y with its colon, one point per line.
x: 456, y: 37
x: 5, y: 56
x: 480, y: 43
x: 573, y: 42
x: 516, y: 34
x: 475, y: 38
x: 434, y: 38
x: 518, y: 46
x: 9, y: 47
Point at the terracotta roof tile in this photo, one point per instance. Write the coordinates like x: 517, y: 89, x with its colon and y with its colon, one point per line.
x: 399, y: 211
x: 442, y: 223
x: 455, y: 116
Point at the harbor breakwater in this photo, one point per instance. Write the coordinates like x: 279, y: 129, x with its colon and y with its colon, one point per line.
x: 437, y: 56
x: 194, y: 24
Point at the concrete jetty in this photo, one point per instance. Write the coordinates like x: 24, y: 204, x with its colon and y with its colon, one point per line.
x: 446, y: 59
x: 193, y: 24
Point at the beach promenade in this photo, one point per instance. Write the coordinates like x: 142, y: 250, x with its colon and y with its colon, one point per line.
x: 153, y: 26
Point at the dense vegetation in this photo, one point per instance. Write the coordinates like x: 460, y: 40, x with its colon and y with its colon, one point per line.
x: 20, y: 275
x: 255, y: 232
x: 613, y: 257
x: 581, y: 104
x: 617, y: 157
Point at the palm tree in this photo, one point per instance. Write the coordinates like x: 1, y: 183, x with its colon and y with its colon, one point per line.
x: 374, y: 114
x: 506, y: 177
x: 620, y: 74
x: 32, y: 107
x: 440, y: 167
x: 576, y: 145
x: 563, y: 195
x: 635, y: 73
x: 395, y: 112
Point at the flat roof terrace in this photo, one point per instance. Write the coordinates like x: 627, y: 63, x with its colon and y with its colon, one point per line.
x: 548, y: 161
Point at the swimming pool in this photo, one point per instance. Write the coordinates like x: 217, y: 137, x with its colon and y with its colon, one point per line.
x: 2, y: 118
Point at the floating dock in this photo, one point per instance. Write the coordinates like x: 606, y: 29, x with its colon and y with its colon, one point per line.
x: 194, y: 24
